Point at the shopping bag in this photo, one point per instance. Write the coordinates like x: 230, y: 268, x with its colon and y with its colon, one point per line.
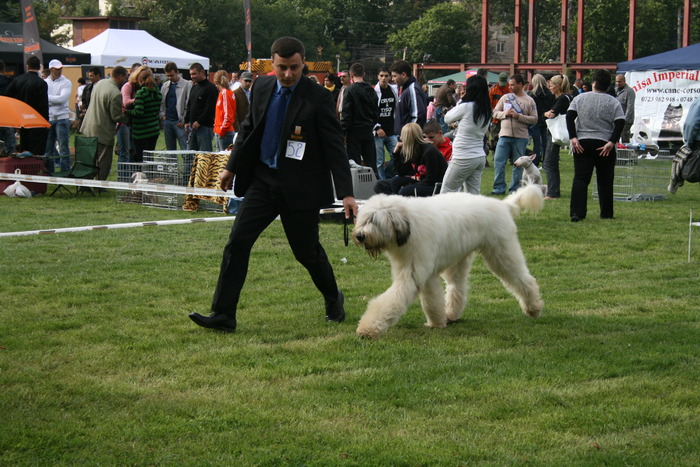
x: 557, y: 128
x: 17, y: 189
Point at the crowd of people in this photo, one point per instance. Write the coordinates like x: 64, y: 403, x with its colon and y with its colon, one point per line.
x: 126, y: 111
x: 464, y: 122
x: 391, y: 126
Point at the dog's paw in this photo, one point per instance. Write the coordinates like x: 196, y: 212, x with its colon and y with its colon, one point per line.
x: 534, y: 311
x: 435, y: 325
x: 368, y: 333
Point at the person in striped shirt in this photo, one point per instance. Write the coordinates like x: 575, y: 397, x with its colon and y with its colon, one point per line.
x: 145, y: 124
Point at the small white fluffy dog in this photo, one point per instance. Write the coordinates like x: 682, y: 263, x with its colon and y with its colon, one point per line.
x: 532, y: 172
x: 426, y: 238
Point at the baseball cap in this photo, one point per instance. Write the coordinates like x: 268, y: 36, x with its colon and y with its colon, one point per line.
x: 55, y: 64
x: 503, y: 79
x: 247, y: 76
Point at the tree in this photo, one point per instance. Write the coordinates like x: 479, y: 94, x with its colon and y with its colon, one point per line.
x: 449, y: 32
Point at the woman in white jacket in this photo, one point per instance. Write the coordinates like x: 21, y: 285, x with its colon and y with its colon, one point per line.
x: 468, y: 157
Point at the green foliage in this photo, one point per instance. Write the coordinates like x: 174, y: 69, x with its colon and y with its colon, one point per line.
x: 49, y: 13
x: 448, y: 31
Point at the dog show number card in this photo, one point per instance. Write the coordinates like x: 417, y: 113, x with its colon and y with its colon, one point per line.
x: 295, y: 150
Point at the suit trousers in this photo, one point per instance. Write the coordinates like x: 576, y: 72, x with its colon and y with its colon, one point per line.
x: 262, y: 203
x: 584, y: 164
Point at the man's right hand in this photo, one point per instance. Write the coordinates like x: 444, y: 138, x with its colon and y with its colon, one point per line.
x: 226, y: 179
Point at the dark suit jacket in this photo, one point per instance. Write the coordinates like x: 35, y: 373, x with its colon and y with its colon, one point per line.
x: 32, y: 90
x: 310, y: 118
x: 242, y: 106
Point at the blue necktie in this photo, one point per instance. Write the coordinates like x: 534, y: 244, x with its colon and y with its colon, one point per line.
x: 273, y: 125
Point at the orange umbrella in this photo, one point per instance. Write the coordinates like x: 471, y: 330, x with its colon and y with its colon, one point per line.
x: 17, y: 114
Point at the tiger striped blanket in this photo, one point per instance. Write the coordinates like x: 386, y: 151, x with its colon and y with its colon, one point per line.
x: 205, y: 174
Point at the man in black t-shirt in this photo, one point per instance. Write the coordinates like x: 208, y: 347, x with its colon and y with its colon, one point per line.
x: 384, y: 136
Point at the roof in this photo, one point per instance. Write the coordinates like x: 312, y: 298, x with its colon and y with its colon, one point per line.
x: 461, y: 77
x: 12, y: 48
x: 685, y: 58
x: 124, y: 47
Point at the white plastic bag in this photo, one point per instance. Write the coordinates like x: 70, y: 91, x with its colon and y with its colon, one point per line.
x: 17, y: 189
x: 557, y: 128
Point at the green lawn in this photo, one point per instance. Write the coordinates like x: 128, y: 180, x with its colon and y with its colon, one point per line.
x: 100, y: 365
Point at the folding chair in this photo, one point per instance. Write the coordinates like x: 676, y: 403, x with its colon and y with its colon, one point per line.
x: 85, y: 166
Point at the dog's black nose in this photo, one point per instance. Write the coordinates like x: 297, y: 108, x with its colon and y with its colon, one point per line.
x: 360, y: 237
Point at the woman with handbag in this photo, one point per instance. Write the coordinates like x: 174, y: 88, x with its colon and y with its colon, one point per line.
x: 559, y: 85
x: 145, y: 120
x: 595, y: 121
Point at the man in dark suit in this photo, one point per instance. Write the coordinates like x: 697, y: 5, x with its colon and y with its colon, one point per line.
x: 288, y: 148
x: 32, y: 90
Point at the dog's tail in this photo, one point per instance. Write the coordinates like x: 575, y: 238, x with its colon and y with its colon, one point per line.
x: 528, y: 198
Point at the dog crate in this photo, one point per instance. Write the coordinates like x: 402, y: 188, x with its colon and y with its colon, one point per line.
x: 27, y: 166
x: 156, y: 172
x: 639, y: 176
x: 177, y: 164
x: 363, y: 181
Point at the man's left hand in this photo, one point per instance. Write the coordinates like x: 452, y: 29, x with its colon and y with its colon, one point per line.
x: 350, y: 207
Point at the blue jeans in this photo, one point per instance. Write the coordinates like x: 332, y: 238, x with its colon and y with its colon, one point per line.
x: 388, y: 142
x: 59, y: 131
x: 200, y: 139
x: 507, y: 148
x: 174, y: 135
x: 223, y: 142
x: 440, y: 117
x: 124, y: 145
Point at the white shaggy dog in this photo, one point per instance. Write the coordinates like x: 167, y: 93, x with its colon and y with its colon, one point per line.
x: 532, y: 172
x: 426, y: 238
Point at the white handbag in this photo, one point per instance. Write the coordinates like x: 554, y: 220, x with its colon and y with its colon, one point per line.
x: 557, y: 128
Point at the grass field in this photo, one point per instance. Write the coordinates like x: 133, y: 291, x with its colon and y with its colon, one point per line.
x: 100, y: 365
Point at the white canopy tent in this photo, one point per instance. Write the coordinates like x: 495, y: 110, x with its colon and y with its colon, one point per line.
x: 127, y: 46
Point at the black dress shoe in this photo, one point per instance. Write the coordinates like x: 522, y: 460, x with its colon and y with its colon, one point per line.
x: 218, y: 321
x: 575, y: 218
x: 335, y: 311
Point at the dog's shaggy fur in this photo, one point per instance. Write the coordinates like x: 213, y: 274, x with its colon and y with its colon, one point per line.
x: 426, y: 238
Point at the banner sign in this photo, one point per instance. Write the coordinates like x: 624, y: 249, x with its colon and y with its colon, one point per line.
x: 248, y: 34
x: 30, y: 31
x: 661, y: 104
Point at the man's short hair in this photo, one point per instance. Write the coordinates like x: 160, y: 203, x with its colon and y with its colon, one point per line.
x: 482, y: 72
x: 119, y: 71
x: 286, y: 47
x: 601, y: 80
x: 432, y: 127
x: 402, y: 66
x: 357, y: 70
x: 197, y: 66
x: 170, y: 66
x: 95, y: 70
x: 33, y: 63
x: 518, y: 78
x: 450, y: 82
